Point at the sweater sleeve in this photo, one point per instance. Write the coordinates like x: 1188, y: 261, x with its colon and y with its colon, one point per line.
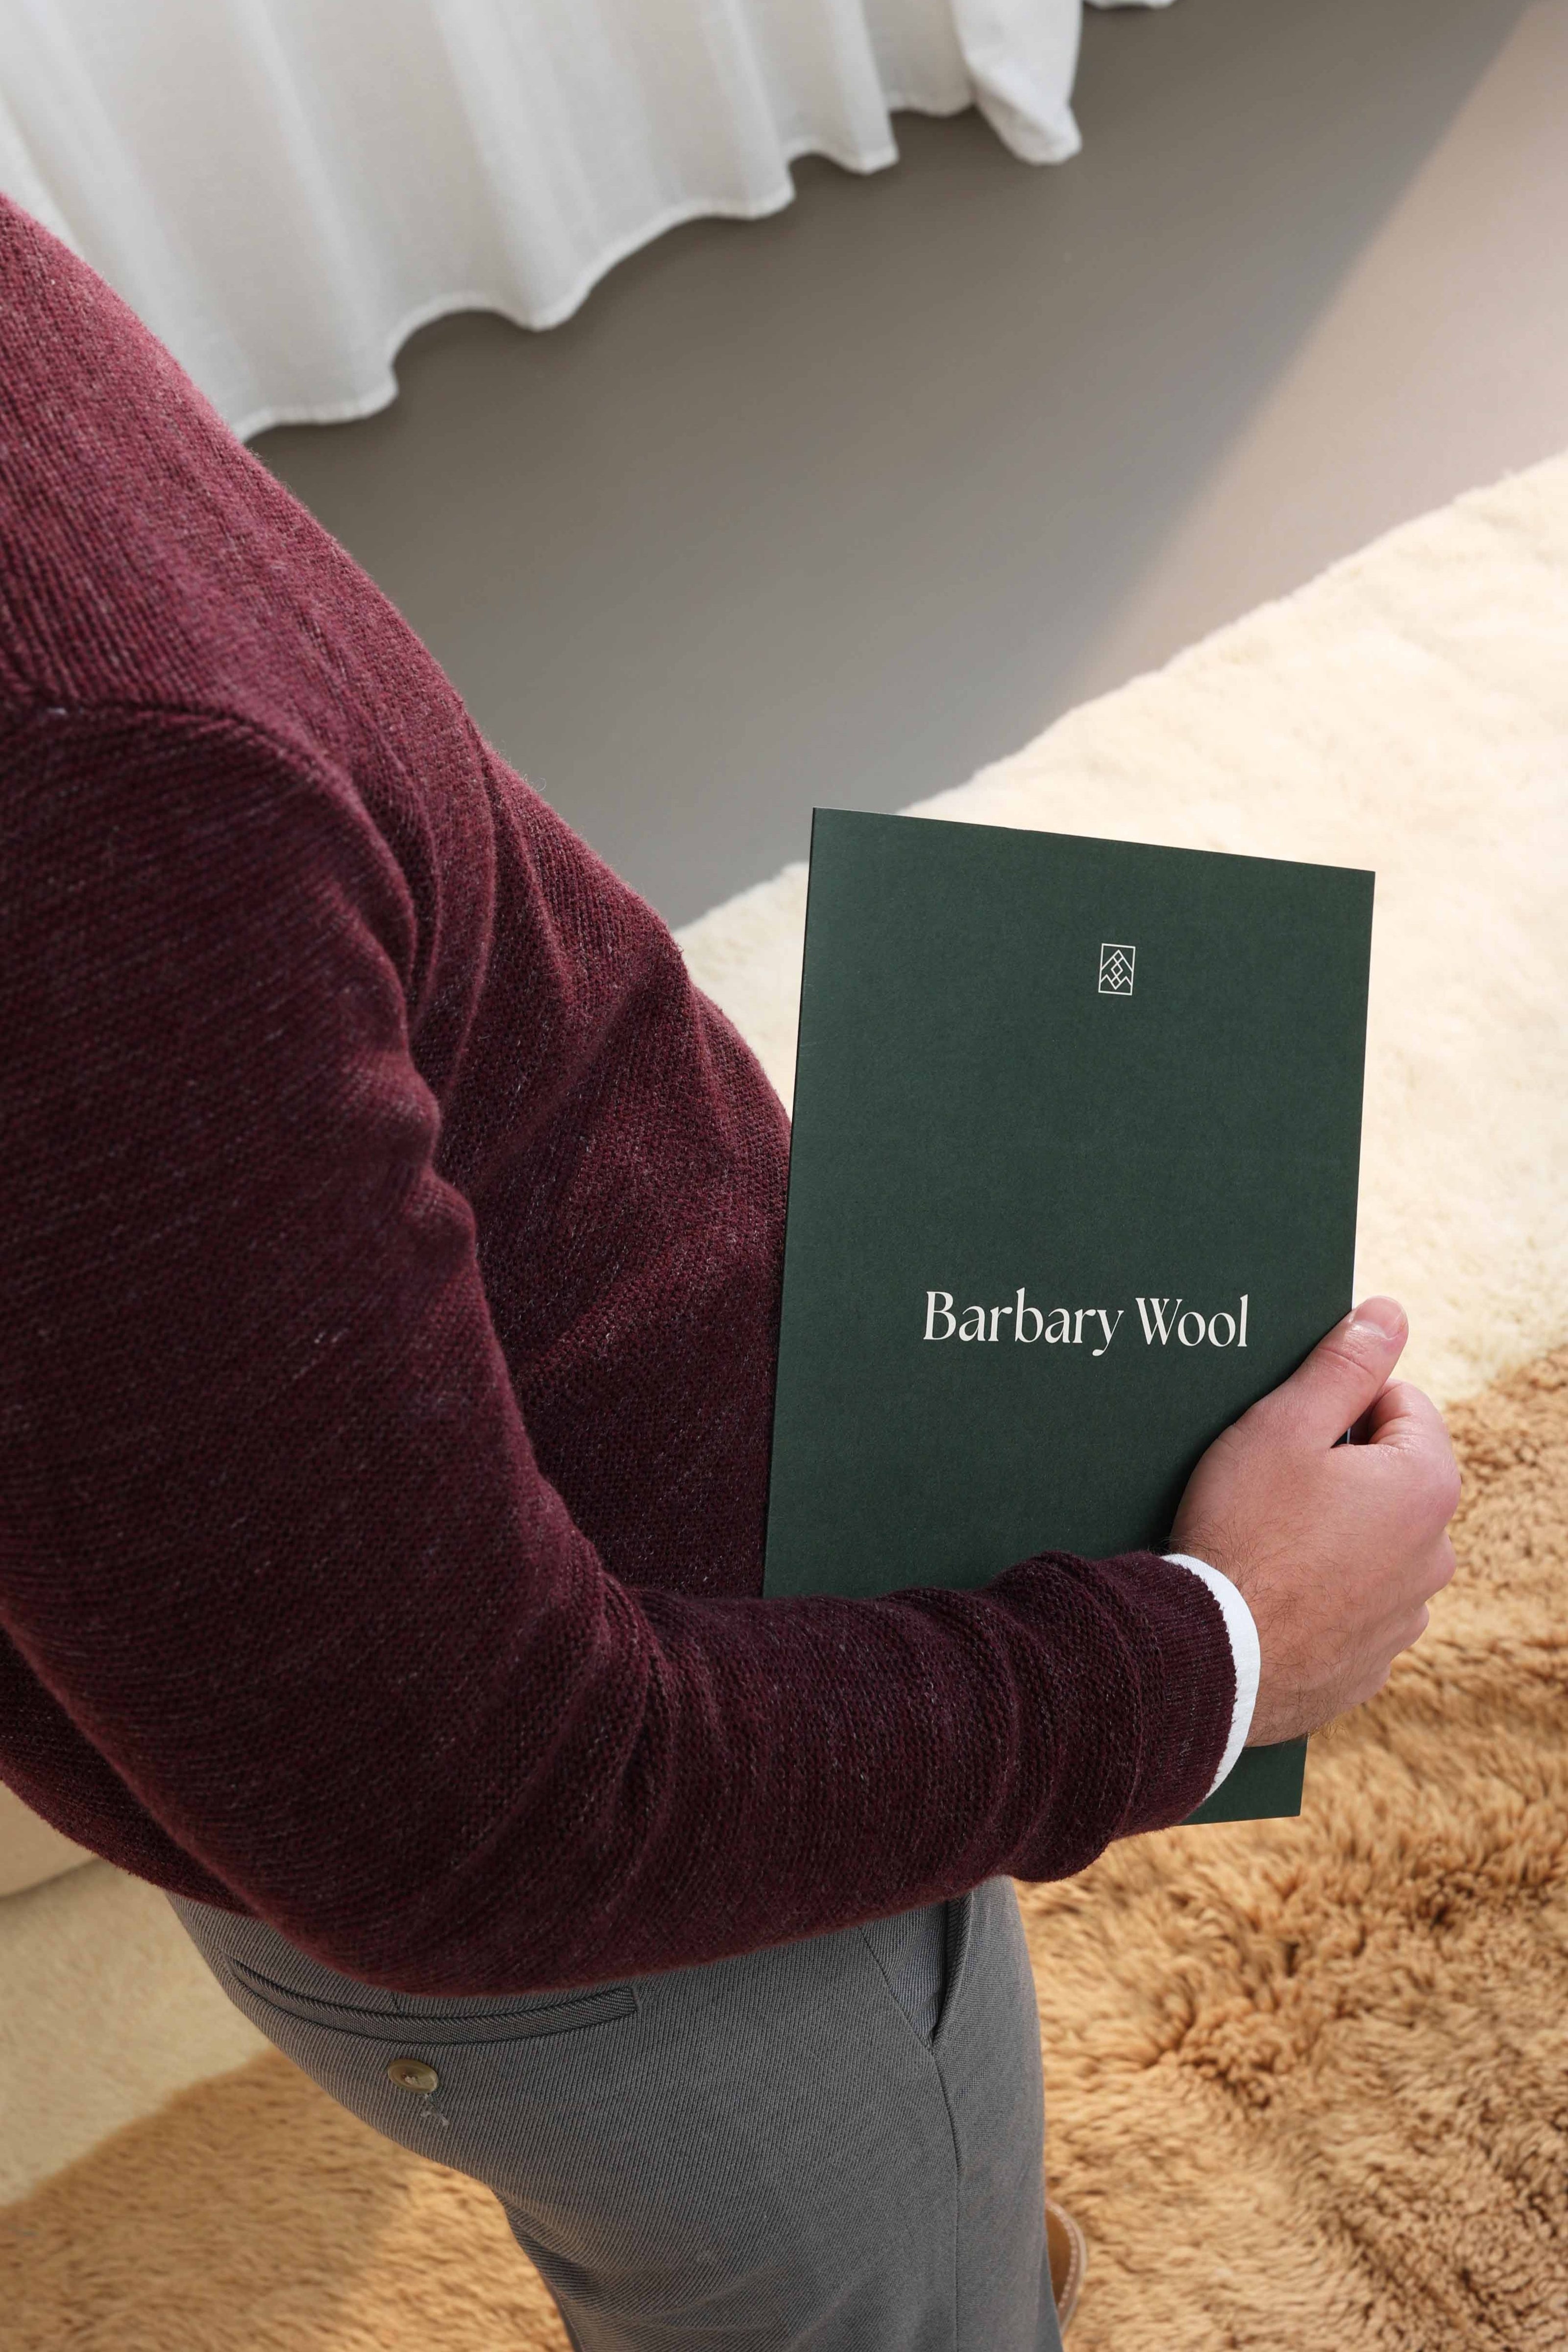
x: 273, y: 1535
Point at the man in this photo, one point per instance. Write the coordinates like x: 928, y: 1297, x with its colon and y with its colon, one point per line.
x: 391, y: 1253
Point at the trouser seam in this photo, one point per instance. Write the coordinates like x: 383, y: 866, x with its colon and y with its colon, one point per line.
x: 957, y: 2198
x: 958, y: 1935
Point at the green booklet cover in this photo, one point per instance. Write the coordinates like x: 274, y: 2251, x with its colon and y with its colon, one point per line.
x: 1073, y: 1183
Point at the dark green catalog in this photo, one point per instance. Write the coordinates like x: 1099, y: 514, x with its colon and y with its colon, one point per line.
x: 1073, y: 1182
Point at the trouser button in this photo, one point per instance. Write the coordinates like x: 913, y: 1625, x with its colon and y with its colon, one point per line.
x: 413, y: 2074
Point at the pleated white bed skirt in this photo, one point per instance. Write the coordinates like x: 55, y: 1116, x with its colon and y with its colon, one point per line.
x: 284, y: 190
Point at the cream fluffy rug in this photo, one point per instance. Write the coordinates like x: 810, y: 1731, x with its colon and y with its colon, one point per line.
x: 1306, y: 2081
x: 1407, y: 712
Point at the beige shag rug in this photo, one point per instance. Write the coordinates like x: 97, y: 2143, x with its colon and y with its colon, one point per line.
x: 1306, y: 2082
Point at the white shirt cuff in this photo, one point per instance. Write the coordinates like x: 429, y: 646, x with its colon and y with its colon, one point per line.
x: 1244, y: 1649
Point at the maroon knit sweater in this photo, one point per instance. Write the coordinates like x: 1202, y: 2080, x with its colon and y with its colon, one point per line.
x: 390, y: 1246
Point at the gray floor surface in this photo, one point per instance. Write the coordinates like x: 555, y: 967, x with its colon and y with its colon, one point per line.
x: 836, y: 505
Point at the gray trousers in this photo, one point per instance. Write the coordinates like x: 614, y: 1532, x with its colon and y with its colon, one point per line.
x: 833, y: 2146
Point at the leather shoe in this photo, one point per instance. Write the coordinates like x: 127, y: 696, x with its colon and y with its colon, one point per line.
x: 1068, y: 2258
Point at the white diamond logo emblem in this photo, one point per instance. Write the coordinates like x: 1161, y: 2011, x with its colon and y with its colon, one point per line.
x: 1115, y: 962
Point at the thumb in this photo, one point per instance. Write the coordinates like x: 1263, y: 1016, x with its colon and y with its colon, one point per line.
x: 1346, y: 1371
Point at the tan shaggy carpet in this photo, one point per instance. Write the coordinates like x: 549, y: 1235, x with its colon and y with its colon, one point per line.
x: 1306, y: 2082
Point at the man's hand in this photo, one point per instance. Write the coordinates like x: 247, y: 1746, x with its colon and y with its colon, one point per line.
x: 1336, y: 1549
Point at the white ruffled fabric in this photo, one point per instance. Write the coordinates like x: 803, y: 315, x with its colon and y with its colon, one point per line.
x: 284, y: 190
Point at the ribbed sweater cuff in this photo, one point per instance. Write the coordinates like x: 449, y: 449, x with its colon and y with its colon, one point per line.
x: 1177, y: 1633
x: 1246, y: 1655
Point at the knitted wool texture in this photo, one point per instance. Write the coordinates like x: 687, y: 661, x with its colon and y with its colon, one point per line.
x: 390, y: 1252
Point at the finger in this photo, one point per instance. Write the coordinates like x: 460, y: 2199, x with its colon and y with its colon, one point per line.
x: 1411, y: 1635
x: 1403, y: 1415
x: 1374, y: 1677
x: 1421, y: 1580
x: 1443, y: 1567
x: 1407, y: 1421
x: 1345, y: 1372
